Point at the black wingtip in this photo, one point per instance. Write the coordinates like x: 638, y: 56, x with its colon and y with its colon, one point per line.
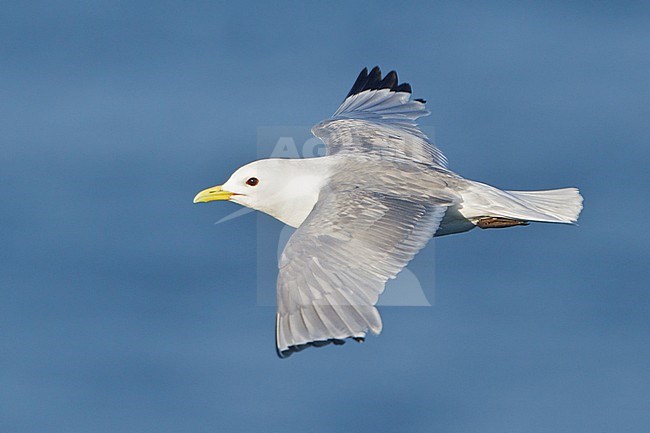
x: 374, y: 78
x: 389, y: 81
x: 300, y: 347
x: 373, y: 81
x: 360, y: 82
x: 404, y: 87
x: 320, y: 343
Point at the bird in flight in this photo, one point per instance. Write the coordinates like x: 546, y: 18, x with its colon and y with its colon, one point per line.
x: 364, y: 210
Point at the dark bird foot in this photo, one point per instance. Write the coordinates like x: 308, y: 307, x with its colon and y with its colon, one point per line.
x: 499, y: 223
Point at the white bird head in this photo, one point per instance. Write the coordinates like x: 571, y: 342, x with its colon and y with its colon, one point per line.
x: 278, y: 187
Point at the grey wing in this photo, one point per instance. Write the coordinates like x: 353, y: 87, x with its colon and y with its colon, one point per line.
x: 336, y: 264
x: 378, y: 117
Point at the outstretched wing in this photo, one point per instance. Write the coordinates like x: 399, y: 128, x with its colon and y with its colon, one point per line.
x: 378, y: 117
x: 336, y: 264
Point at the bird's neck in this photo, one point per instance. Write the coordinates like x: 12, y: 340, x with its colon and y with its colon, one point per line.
x: 297, y: 198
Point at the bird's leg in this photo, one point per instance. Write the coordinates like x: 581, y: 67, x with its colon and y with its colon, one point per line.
x: 499, y: 223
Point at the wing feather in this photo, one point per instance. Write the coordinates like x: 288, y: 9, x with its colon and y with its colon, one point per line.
x: 336, y: 264
x: 378, y: 117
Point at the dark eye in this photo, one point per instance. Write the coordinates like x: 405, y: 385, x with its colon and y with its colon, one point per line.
x: 252, y: 181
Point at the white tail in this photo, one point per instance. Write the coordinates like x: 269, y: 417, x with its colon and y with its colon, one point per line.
x: 554, y: 206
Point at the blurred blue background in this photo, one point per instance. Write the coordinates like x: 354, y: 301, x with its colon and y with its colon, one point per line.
x: 123, y: 308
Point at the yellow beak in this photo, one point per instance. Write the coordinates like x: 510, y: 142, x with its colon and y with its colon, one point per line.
x: 212, y: 194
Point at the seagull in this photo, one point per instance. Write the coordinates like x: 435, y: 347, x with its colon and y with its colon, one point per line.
x: 366, y: 208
